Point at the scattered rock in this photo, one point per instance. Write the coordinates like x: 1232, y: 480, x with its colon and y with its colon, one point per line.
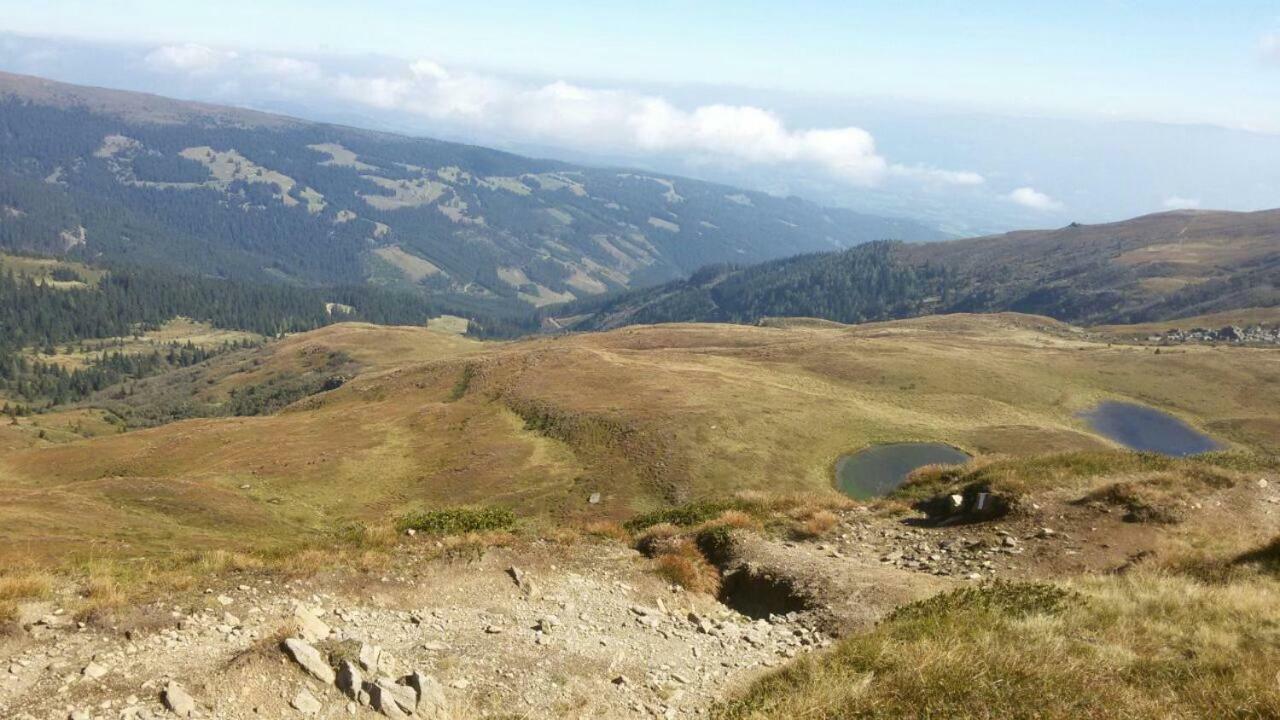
x: 305, y: 703
x: 429, y: 692
x: 369, y: 656
x: 94, y: 671
x: 310, y: 659
x: 390, y: 699
x: 178, y: 700
x: 594, y: 499
x: 523, y: 581
x: 310, y: 627
x: 349, y: 679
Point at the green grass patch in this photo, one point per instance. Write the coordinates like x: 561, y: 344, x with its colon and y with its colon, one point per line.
x: 463, y: 384
x: 1020, y: 476
x: 689, y: 514
x: 458, y: 521
x: 1106, y: 647
x: 1007, y: 599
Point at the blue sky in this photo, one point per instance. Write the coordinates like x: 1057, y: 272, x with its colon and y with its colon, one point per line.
x: 1174, y: 60
x: 976, y: 116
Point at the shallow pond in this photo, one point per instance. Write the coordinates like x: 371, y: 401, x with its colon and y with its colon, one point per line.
x: 880, y: 469
x: 1139, y: 427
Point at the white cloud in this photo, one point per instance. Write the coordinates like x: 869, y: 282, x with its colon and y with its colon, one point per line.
x: 189, y: 58
x: 947, y: 177
x: 617, y: 121
x: 1269, y: 46
x: 1034, y: 199
x: 285, y: 68
x: 1181, y: 203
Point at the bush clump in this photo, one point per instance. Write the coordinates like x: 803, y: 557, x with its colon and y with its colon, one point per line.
x: 689, y: 514
x: 1008, y: 599
x: 457, y: 521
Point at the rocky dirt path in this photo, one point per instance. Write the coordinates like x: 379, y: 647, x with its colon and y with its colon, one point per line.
x: 548, y: 630
x: 587, y: 631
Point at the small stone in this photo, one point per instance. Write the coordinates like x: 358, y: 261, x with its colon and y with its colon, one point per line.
x: 430, y: 693
x: 1045, y: 533
x: 369, y: 656
x: 305, y: 703
x: 594, y: 499
x: 310, y: 627
x: 493, y: 629
x: 310, y: 659
x: 349, y: 679
x: 391, y: 699
x: 224, y: 600
x: 178, y: 701
x: 548, y: 623
x: 94, y: 671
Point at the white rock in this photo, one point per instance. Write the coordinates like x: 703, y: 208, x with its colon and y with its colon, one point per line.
x: 369, y: 656
x: 310, y: 627
x: 431, y: 700
x: 178, y: 701
x: 305, y: 703
x: 310, y: 660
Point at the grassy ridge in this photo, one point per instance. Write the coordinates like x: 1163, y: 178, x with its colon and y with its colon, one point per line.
x: 646, y: 417
x: 1108, y: 647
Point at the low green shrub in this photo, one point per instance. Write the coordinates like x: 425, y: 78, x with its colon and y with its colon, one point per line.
x: 1009, y: 599
x: 457, y: 521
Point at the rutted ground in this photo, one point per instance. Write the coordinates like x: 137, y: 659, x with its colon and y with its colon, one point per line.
x: 568, y: 629
x: 587, y: 632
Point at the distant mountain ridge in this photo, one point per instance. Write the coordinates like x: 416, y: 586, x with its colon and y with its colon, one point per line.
x: 119, y: 176
x: 1151, y: 268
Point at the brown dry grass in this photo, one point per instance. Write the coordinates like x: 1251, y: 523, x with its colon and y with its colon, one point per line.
x: 1133, y: 646
x: 17, y: 585
x: 609, y: 529
x: 682, y: 564
x: 648, y: 413
x: 814, y: 524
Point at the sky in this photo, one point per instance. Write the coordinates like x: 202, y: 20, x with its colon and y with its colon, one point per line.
x: 1171, y: 60
x: 804, y: 96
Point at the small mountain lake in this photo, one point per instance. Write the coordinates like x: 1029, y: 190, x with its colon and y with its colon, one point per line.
x: 881, y: 469
x: 1147, y: 429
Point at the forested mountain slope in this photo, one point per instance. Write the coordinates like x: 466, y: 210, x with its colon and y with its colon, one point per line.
x: 1150, y: 268
x: 107, y: 175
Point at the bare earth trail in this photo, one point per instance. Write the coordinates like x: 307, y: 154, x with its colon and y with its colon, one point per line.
x: 587, y: 631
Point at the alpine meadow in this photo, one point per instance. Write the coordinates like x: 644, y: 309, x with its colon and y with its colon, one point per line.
x: 730, y: 362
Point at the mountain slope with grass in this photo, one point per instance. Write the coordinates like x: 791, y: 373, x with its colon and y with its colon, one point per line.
x: 645, y: 522
x: 107, y: 175
x: 644, y: 417
x: 1152, y: 268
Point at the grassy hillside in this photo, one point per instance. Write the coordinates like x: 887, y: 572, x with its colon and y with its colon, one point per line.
x: 1171, y: 615
x: 1150, y: 268
x: 95, y: 173
x: 645, y: 416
